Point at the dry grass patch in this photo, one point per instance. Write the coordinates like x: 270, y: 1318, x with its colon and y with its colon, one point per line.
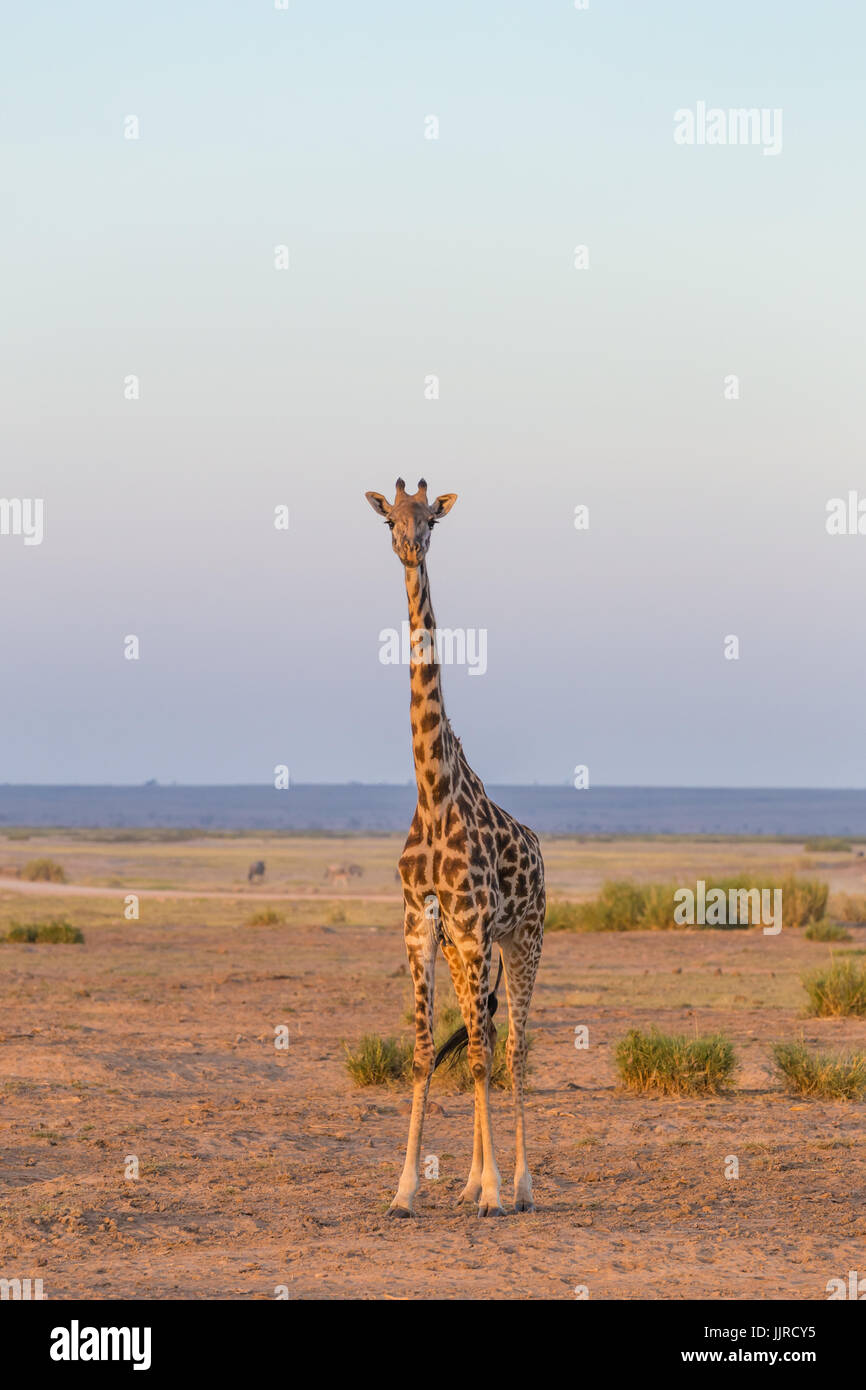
x: 849, y: 907
x: 265, y: 917
x: 43, y: 871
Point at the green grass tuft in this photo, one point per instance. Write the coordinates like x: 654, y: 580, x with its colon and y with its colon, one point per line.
x: 674, y: 1065
x: 821, y: 1076
x: 386, y: 1061
x: 827, y: 844
x: 838, y: 991
x: 826, y: 931
x: 53, y: 932
x: 379, y: 1061
x: 457, y: 1073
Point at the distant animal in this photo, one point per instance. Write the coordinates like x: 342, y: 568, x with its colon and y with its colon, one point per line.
x: 473, y: 884
x: 256, y: 870
x: 341, y: 873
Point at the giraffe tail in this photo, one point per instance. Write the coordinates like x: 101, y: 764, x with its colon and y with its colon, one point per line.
x: 453, y: 1046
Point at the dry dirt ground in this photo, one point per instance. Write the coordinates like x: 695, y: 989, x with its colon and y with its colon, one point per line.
x: 259, y: 1167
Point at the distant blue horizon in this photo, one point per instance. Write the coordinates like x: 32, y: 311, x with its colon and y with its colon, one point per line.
x: 156, y: 784
x: 384, y: 807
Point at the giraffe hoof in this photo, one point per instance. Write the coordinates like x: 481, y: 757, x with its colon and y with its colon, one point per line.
x: 396, y: 1210
x: 490, y: 1209
x: 524, y: 1204
x: 467, y: 1199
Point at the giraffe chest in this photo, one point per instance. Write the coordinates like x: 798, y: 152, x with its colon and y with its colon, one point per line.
x: 454, y: 864
x: 475, y: 869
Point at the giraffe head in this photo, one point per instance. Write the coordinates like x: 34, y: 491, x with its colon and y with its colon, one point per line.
x: 411, y: 519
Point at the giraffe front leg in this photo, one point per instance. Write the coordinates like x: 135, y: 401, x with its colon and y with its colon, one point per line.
x: 521, y: 961
x: 480, y: 1064
x: 472, y: 1191
x: 421, y: 950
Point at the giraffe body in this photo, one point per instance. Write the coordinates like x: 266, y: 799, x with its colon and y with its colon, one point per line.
x: 473, y: 881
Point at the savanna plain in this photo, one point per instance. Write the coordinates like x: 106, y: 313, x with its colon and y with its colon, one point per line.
x: 179, y: 1119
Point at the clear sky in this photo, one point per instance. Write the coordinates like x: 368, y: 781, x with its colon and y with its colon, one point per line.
x: 409, y: 257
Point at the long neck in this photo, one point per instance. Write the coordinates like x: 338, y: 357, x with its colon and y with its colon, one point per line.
x: 432, y: 739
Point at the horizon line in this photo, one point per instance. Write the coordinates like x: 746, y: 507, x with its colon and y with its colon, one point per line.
x: 155, y: 785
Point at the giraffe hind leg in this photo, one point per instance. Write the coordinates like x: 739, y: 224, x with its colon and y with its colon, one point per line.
x: 521, y: 952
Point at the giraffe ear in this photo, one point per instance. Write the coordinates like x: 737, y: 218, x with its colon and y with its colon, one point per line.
x: 442, y: 505
x: 378, y: 503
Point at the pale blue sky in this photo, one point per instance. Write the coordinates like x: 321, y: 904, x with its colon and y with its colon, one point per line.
x: 558, y: 387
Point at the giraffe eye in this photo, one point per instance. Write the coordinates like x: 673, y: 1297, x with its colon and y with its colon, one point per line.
x: 390, y: 525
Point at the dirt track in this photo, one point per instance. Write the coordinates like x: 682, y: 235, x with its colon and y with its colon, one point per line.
x: 81, y: 890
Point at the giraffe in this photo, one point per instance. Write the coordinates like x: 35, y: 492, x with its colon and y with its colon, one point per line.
x: 473, y: 881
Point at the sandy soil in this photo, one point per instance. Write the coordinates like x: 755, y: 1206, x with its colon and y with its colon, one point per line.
x: 260, y: 1168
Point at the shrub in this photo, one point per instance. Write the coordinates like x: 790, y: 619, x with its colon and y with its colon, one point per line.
x: 848, y: 907
x: 53, y: 932
x: 674, y: 1065
x: 625, y: 906
x: 265, y: 917
x: 804, y: 900
x: 379, y: 1061
x: 564, y: 917
x: 837, y: 991
x: 619, y: 907
x: 823, y: 1076
x: 827, y: 844
x: 826, y: 931
x: 43, y: 871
